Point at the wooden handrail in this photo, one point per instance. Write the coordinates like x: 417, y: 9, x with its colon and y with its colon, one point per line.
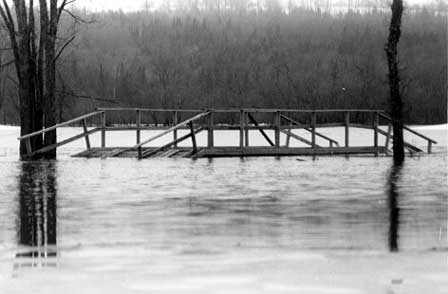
x: 66, y: 141
x: 383, y: 115
x: 260, y: 110
x: 43, y: 131
x: 238, y: 110
x: 148, y: 109
x: 178, y: 126
x: 310, y: 130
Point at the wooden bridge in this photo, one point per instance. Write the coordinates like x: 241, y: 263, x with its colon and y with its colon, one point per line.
x: 243, y: 121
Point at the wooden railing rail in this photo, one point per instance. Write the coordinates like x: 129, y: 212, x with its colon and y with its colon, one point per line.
x: 429, y: 140
x: 64, y: 124
x: 388, y: 118
x: 176, y: 127
x: 86, y: 133
x: 294, y: 122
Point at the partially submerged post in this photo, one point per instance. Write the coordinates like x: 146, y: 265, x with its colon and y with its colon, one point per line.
x: 394, y: 80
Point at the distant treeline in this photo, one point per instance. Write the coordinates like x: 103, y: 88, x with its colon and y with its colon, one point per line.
x: 241, y: 58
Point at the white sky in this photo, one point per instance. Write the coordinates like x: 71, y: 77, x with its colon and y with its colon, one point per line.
x: 132, y: 5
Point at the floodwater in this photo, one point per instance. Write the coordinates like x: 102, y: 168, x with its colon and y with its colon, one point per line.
x: 228, y: 225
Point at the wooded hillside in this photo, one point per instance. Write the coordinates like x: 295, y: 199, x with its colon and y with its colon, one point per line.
x: 272, y: 59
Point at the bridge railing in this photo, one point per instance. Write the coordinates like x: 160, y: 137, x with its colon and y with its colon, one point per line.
x: 86, y: 133
x: 281, y: 121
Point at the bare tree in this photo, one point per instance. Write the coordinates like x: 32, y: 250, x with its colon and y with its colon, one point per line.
x: 34, y: 49
x: 396, y: 103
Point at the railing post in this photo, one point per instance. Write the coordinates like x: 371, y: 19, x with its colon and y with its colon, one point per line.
x: 389, y: 134
x: 29, y: 150
x: 347, y: 129
x: 210, y: 132
x: 375, y: 132
x: 313, y: 128
x: 175, y: 122
x: 246, y: 129
x: 429, y: 147
x: 84, y: 126
x: 288, y: 137
x: 277, y: 122
x: 139, y: 123
x: 140, y: 152
x: 103, y: 129
x: 241, y: 128
x: 193, y: 138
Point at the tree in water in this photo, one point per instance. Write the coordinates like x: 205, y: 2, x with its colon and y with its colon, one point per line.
x: 396, y: 103
x: 34, y: 50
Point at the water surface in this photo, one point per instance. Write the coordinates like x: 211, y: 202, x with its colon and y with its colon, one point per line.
x: 256, y: 225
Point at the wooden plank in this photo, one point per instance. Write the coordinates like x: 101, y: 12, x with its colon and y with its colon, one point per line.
x: 241, y: 128
x: 388, y: 136
x: 313, y: 128
x: 84, y: 126
x: 295, y: 151
x: 252, y: 151
x: 252, y: 119
x: 375, y: 131
x: 175, y: 152
x: 277, y: 128
x: 66, y: 141
x: 223, y: 127
x: 196, y: 117
x: 297, y: 137
x: 210, y: 132
x: 139, y: 123
x: 270, y: 110
x: 103, y: 129
x: 168, y: 153
x: 347, y: 129
x: 148, y: 109
x: 175, y: 121
x: 246, y: 130
x: 69, y: 122
x: 288, y: 137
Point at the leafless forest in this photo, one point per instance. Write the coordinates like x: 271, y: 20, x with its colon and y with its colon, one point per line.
x: 241, y: 57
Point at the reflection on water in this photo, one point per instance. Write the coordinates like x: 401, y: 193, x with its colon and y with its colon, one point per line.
x: 394, y: 210
x: 37, y: 214
x: 226, y: 225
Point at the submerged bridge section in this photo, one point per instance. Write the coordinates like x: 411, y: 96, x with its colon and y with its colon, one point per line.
x: 242, y: 121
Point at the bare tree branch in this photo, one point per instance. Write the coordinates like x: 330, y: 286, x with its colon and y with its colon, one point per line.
x: 64, y: 46
x: 77, y: 18
x: 62, y: 7
x: 87, y: 97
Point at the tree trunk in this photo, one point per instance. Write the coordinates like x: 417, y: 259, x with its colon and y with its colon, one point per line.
x: 396, y: 103
x: 35, y: 67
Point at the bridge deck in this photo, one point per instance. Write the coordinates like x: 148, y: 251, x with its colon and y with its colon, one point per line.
x: 232, y: 151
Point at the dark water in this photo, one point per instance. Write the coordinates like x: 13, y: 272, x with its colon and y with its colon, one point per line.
x: 261, y: 225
